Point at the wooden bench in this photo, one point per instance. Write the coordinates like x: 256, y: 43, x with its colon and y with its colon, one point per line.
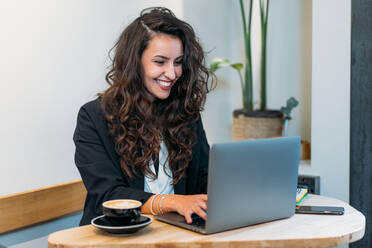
x: 36, y: 206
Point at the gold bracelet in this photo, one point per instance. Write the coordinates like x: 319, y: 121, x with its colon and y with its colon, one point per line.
x: 152, y: 201
x: 161, y: 204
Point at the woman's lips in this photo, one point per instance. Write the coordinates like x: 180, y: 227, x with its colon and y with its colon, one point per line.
x: 164, y: 85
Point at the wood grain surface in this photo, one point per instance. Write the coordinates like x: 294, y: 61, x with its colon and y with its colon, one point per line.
x: 35, y: 206
x: 300, y: 230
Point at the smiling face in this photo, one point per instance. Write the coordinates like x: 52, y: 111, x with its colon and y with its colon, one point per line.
x: 162, y: 64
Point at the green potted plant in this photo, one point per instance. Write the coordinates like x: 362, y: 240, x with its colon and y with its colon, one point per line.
x: 250, y: 123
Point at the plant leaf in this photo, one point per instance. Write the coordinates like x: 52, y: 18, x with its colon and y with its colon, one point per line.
x: 237, y: 66
x: 218, y: 63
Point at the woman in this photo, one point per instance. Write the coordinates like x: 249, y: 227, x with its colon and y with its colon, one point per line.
x: 143, y: 137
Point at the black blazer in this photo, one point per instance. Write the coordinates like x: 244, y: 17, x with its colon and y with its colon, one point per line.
x: 99, y: 165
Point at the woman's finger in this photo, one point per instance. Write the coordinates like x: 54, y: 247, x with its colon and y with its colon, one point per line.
x: 201, y: 213
x: 188, y: 217
x: 203, y: 205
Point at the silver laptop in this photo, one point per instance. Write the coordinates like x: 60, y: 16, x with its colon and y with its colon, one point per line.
x: 249, y: 182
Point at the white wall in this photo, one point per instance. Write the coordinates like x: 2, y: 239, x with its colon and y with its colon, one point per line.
x: 53, y: 59
x: 289, y: 61
x: 331, y: 96
x: 211, y: 23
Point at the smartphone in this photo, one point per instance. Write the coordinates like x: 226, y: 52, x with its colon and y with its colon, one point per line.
x: 319, y: 210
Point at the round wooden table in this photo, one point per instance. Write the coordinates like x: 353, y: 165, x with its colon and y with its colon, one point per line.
x: 300, y: 230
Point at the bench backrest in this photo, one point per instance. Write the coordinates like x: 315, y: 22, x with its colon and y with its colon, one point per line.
x: 44, y: 204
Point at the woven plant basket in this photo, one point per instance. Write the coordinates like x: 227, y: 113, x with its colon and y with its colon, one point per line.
x: 257, y: 124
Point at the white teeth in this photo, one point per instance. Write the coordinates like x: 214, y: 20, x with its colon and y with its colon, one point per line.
x: 165, y: 84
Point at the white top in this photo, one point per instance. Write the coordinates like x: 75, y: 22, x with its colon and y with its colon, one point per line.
x: 161, y: 185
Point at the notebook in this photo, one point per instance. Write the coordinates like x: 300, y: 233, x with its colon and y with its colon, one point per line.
x: 300, y: 195
x: 249, y: 182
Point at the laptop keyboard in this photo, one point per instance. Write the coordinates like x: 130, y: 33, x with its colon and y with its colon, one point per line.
x: 197, y: 221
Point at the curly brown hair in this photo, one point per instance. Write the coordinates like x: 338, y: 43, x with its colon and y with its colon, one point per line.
x: 138, y: 124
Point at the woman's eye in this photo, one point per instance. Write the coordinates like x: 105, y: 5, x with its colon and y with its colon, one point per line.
x: 159, y: 62
x: 178, y: 62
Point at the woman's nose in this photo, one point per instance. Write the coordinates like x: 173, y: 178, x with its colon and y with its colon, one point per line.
x: 170, y: 72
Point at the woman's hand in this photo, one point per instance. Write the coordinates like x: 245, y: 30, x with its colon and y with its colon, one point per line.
x: 186, y: 205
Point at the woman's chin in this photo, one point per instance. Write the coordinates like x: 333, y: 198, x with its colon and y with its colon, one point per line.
x: 162, y: 96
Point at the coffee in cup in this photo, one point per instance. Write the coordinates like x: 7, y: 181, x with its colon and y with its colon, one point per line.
x: 125, y: 211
